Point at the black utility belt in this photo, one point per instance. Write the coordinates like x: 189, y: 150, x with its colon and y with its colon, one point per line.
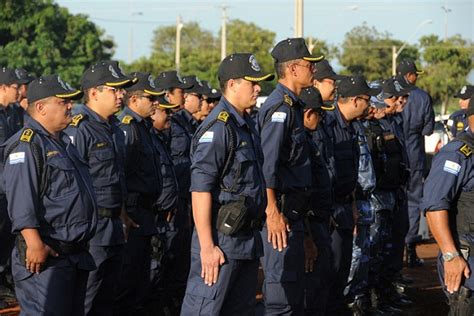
x: 319, y: 216
x: 109, y: 212
x: 61, y: 247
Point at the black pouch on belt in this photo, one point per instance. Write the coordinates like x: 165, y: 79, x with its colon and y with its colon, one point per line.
x: 295, y: 204
x: 232, y: 217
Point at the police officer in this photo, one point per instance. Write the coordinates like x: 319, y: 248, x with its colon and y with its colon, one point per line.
x: 95, y: 133
x: 22, y: 103
x: 353, y: 101
x: 448, y: 197
x: 51, y: 203
x: 162, y: 264
x: 9, y: 86
x: 228, y: 195
x: 356, y: 291
x: 418, y: 122
x: 143, y: 182
x: 318, y: 263
x: 287, y: 171
x: 174, y: 86
x: 325, y: 80
x: 457, y: 121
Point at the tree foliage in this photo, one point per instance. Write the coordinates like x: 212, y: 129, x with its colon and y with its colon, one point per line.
x: 368, y: 51
x: 447, y: 64
x: 45, y: 38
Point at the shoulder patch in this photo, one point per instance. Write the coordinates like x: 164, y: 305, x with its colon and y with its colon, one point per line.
x: 452, y: 167
x: 465, y: 150
x: 288, y: 100
x: 223, y: 116
x: 76, y: 120
x: 207, y: 137
x: 127, y: 119
x: 279, y: 117
x: 27, y: 135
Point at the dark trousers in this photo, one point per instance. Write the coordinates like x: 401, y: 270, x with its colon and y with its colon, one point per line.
x: 58, y: 290
x: 400, y: 227
x: 283, y: 287
x: 414, y: 195
x: 233, y: 294
x: 381, y: 248
x: 103, y: 282
x: 358, y: 280
x: 317, y: 283
x: 7, y: 242
x: 135, y: 278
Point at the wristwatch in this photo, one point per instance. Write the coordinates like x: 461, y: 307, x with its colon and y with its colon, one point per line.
x: 448, y: 256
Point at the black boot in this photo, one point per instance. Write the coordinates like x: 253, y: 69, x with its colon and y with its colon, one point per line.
x: 412, y: 258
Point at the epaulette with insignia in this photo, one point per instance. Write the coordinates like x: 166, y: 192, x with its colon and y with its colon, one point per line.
x: 288, y: 100
x: 76, y: 120
x: 127, y: 119
x: 223, y: 116
x: 465, y: 150
x: 27, y: 135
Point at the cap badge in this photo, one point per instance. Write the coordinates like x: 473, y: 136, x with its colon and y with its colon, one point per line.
x: 397, y: 85
x: 17, y: 73
x: 150, y: 81
x: 63, y: 85
x: 253, y: 63
x: 463, y: 90
x: 113, y: 72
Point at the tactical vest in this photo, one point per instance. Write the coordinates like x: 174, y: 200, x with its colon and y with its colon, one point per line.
x: 464, y: 205
x: 387, y: 157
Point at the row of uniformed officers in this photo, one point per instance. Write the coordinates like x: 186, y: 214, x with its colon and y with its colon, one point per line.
x: 185, y: 193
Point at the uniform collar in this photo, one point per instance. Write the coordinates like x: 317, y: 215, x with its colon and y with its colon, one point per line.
x: 130, y: 112
x: 284, y: 90
x: 227, y: 106
x: 37, y: 127
x: 188, y: 116
x: 339, y: 119
x: 92, y: 114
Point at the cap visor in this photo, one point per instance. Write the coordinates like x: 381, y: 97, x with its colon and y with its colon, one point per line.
x: 119, y: 83
x: 420, y: 72
x: 73, y: 95
x: 329, y: 107
x: 314, y: 59
x: 268, y: 77
x: 158, y: 93
x: 168, y: 106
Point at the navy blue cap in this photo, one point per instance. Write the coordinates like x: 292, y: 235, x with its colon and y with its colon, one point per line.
x: 104, y: 73
x: 24, y: 75
x: 312, y: 99
x: 470, y: 107
x: 51, y: 86
x: 323, y: 70
x: 196, y: 85
x: 465, y: 93
x: 291, y: 49
x: 354, y: 86
x: 169, y: 80
x: 10, y: 76
x: 408, y: 66
x: 242, y: 65
x: 143, y: 81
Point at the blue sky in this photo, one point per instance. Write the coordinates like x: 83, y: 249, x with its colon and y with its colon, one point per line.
x: 328, y: 20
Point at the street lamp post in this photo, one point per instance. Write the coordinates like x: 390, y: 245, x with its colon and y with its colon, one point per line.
x: 130, y: 40
x: 396, y: 53
x: 177, y: 56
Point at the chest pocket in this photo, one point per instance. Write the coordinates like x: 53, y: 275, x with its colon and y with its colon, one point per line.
x: 243, y: 170
x: 180, y: 142
x: 103, y: 154
x: 298, y: 143
x: 345, y: 161
x: 60, y: 177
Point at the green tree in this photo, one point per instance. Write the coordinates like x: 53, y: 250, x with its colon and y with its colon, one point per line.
x: 243, y: 37
x: 447, y: 65
x: 45, y: 38
x: 369, y: 52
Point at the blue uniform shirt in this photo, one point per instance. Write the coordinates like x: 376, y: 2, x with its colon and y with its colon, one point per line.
x: 244, y: 178
x: 142, y: 161
x: 64, y: 208
x: 418, y: 121
x: 457, y: 122
x: 346, y: 152
x: 102, y: 145
x: 451, y: 172
x: 287, y: 163
x: 183, y: 126
x: 169, y: 193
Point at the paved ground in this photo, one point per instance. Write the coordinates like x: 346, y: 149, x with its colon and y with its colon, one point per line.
x: 426, y: 291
